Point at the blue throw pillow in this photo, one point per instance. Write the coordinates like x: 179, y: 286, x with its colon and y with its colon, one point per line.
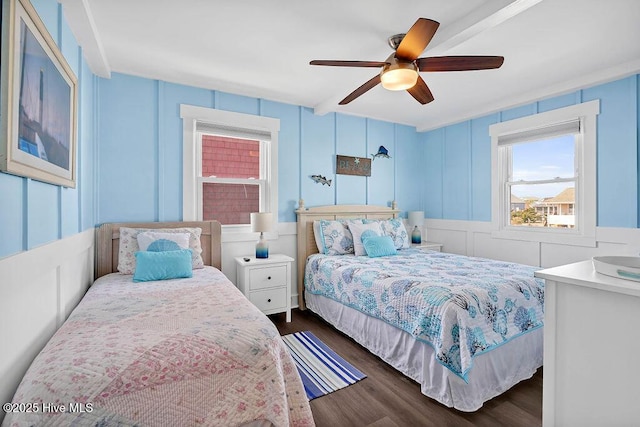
x: 378, y: 246
x: 163, y: 245
x: 162, y: 265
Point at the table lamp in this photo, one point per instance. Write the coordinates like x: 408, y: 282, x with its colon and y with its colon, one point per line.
x: 261, y: 221
x: 416, y: 222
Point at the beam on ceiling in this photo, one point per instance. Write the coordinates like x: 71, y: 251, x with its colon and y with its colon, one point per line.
x: 78, y: 15
x: 475, y: 23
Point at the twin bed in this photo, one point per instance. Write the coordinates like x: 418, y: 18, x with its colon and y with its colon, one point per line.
x: 184, y: 351
x: 466, y: 329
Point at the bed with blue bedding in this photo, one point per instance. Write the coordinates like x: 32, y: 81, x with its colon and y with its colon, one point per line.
x: 460, y: 306
x: 466, y: 329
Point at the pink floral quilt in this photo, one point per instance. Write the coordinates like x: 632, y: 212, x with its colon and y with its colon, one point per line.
x: 178, y: 352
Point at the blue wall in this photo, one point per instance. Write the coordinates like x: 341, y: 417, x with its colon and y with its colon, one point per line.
x: 33, y: 213
x: 457, y: 173
x: 129, y: 160
x: 140, y: 151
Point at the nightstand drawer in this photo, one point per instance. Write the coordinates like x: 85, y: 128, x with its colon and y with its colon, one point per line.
x: 268, y: 277
x: 269, y: 299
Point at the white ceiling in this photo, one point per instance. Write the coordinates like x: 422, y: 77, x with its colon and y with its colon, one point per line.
x: 262, y: 49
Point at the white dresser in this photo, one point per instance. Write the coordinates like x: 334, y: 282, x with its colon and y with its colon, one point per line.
x: 266, y: 282
x: 591, y: 348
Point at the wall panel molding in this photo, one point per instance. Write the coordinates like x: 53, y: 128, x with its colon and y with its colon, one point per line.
x: 39, y: 290
x: 473, y: 238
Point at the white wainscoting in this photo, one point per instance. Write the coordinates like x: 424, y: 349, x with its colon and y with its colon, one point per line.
x: 474, y: 238
x: 471, y: 238
x: 38, y: 290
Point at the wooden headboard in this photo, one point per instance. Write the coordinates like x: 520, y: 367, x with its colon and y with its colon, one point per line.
x: 108, y: 242
x: 306, y: 239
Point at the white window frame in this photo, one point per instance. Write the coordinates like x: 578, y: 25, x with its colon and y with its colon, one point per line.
x: 584, y: 233
x: 191, y: 171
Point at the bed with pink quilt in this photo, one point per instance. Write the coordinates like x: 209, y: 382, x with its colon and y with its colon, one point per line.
x: 176, y: 352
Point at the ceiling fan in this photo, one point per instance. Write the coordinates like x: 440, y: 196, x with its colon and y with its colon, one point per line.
x: 400, y: 70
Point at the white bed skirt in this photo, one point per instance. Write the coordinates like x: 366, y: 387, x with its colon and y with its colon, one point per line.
x: 492, y: 373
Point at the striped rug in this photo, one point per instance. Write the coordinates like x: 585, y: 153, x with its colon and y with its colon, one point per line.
x: 321, y: 369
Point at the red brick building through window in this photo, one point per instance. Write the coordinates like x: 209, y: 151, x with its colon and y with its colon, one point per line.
x: 228, y: 159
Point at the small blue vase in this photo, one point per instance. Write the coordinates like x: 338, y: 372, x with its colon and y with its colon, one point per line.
x: 262, y: 247
x: 416, y: 235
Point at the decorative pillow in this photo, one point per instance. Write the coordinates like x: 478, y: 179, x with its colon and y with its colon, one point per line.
x: 357, y: 228
x: 317, y: 234
x: 378, y: 246
x: 395, y: 229
x: 162, y: 245
x: 129, y: 246
x: 336, y: 237
x: 146, y: 238
x: 162, y: 265
x: 368, y: 233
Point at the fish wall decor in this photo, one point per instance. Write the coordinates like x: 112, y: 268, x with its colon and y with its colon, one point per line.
x: 382, y: 152
x: 319, y: 179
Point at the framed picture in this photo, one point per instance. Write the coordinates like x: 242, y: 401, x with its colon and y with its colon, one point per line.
x: 39, y: 100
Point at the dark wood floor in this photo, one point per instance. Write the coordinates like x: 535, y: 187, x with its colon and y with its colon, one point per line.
x: 388, y: 398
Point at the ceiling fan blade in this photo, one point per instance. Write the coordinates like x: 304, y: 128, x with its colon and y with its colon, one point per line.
x: 421, y: 92
x: 348, y: 63
x: 459, y: 63
x: 362, y: 89
x: 417, y: 39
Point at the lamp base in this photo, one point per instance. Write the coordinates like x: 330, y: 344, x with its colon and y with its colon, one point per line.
x: 262, y: 247
x: 416, y: 236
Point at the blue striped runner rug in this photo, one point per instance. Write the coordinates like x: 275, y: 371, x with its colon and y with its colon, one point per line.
x: 321, y: 369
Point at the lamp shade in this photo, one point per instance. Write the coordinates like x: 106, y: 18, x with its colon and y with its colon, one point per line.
x: 416, y: 218
x: 261, y: 221
x: 399, y: 75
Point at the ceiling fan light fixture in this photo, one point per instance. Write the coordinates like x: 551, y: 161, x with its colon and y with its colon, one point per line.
x: 399, y: 76
x: 400, y: 71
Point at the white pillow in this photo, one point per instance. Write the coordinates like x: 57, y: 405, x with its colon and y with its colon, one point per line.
x: 357, y: 228
x: 147, y: 237
x: 129, y: 246
x: 317, y: 234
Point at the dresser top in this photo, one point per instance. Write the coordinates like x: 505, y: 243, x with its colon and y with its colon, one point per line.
x: 584, y: 274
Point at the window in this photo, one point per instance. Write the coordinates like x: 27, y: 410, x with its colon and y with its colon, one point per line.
x: 543, y: 176
x: 231, y: 178
x: 230, y: 166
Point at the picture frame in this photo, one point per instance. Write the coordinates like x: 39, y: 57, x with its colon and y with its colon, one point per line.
x: 39, y: 100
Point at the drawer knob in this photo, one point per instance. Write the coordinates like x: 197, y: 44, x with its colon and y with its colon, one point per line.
x: 269, y: 300
x: 269, y: 278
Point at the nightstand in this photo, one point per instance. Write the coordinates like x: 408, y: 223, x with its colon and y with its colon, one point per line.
x: 266, y: 282
x: 431, y: 246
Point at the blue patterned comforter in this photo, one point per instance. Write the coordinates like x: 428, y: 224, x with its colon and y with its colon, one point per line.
x: 461, y: 306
